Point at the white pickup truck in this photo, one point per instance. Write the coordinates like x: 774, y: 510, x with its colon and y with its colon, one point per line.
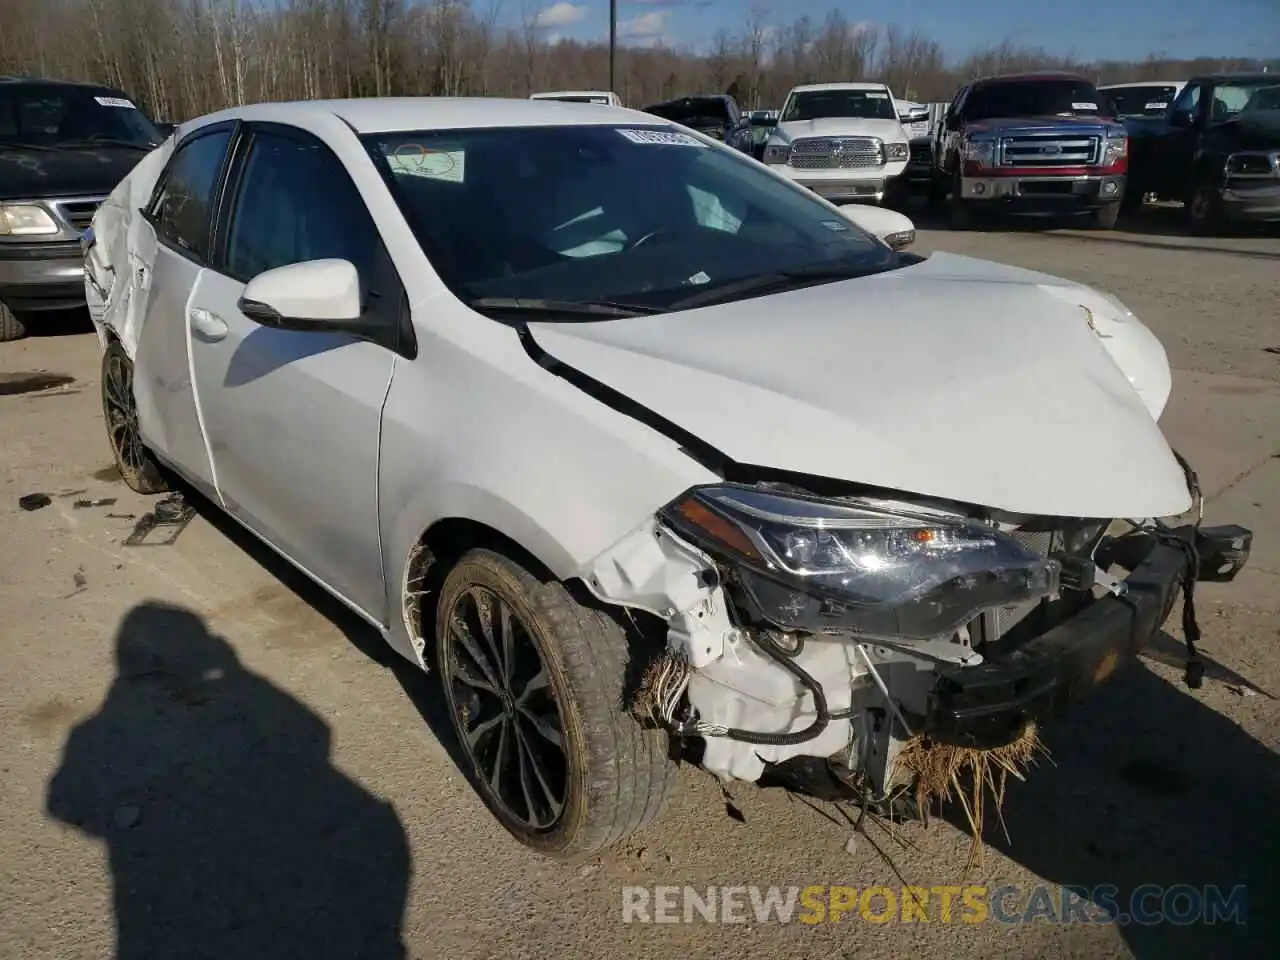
x: 844, y: 141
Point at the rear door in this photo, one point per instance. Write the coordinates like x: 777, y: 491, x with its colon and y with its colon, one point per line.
x: 294, y: 418
x: 179, y: 212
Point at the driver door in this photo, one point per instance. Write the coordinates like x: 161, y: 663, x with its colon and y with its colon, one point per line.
x: 1170, y: 165
x: 293, y: 417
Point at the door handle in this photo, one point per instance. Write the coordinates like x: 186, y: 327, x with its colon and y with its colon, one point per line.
x: 209, y: 326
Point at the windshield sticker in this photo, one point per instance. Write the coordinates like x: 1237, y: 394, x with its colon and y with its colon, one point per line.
x: 699, y: 278
x: 116, y: 102
x: 1156, y: 106
x: 835, y: 226
x: 872, y: 95
x: 662, y: 138
x: 1084, y: 106
x: 415, y: 160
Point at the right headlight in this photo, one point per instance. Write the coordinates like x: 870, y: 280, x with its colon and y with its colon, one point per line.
x: 824, y: 565
x: 26, y: 220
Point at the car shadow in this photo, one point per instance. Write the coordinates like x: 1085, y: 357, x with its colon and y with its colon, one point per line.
x: 423, y: 689
x: 229, y: 832
x: 1152, y: 794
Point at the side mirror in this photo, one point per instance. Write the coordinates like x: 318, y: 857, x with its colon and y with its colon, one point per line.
x: 314, y: 295
x: 1183, y: 118
x: 914, y: 115
x: 166, y: 129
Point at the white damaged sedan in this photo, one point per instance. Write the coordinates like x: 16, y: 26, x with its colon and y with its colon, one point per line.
x: 641, y: 446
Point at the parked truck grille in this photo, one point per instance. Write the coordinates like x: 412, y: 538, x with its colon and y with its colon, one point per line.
x: 1049, y: 151
x: 78, y: 213
x: 836, y: 153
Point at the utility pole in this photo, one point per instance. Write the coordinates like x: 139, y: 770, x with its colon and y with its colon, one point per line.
x: 613, y: 44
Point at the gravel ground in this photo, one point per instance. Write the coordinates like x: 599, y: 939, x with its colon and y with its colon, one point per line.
x: 208, y: 758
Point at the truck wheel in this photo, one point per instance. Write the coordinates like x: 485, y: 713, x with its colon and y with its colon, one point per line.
x: 1204, y: 211
x: 959, y: 213
x: 535, y: 684
x: 1104, y: 218
x: 937, y: 194
x: 11, y: 328
x: 138, y: 468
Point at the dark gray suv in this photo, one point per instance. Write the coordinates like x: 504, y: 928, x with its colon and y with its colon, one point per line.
x: 63, y: 147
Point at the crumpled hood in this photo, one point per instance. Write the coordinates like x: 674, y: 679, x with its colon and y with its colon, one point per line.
x: 953, y: 378
x: 890, y: 131
x: 41, y: 174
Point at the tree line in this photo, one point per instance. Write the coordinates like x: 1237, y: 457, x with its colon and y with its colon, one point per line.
x: 183, y: 58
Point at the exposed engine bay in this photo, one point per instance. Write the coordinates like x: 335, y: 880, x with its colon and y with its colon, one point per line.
x: 807, y: 634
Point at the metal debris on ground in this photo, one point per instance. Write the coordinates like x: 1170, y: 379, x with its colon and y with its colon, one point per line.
x: 100, y: 502
x: 173, y: 513
x: 34, y: 501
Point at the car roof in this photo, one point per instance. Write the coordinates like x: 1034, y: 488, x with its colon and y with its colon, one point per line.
x: 1143, y: 83
x: 1035, y: 75
x: 86, y: 86
x: 851, y: 85
x: 548, y: 94
x: 397, y: 114
x: 1243, y: 75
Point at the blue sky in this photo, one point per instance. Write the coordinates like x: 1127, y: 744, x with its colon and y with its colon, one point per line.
x: 1089, y: 29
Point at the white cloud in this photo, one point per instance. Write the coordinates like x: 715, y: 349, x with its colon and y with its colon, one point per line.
x: 559, y: 15
x: 646, y: 28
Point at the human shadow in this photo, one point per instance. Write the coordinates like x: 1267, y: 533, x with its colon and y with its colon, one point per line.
x: 228, y: 830
x: 1149, y: 786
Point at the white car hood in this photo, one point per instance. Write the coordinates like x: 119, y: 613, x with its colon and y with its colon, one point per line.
x: 890, y: 131
x: 953, y: 378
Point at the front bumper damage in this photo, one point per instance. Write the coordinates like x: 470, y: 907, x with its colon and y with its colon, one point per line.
x: 760, y: 701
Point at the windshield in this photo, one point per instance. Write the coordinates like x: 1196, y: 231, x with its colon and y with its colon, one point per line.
x: 820, y: 104
x: 644, y: 215
x: 1148, y: 101
x: 1034, y: 98
x: 1230, y: 99
x: 692, y: 111
x: 56, y: 116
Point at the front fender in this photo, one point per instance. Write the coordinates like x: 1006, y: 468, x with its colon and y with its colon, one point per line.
x: 474, y: 429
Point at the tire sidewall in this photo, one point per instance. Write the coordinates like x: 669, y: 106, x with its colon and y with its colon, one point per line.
x: 518, y: 589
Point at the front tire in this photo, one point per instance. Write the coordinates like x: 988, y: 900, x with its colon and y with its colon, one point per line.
x: 535, y: 684
x: 11, y: 328
x: 138, y: 468
x: 1204, y: 211
x: 1105, y: 218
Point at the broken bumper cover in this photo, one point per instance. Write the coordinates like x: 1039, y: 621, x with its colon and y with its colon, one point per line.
x: 988, y: 705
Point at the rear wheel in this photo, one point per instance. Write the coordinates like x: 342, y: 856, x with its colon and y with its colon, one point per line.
x: 535, y: 684
x: 138, y: 468
x: 11, y: 328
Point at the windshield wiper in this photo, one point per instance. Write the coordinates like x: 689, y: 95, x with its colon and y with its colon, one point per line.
x: 10, y: 145
x: 593, y: 308
x: 775, y: 282
x: 108, y: 142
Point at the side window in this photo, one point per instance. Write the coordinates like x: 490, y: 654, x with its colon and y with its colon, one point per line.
x: 957, y: 105
x: 1188, y: 100
x: 180, y: 211
x: 296, y: 203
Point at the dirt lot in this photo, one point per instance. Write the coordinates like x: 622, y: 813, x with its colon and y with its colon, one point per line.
x: 207, y: 758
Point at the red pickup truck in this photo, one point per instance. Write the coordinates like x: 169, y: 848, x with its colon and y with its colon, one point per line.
x: 1034, y: 143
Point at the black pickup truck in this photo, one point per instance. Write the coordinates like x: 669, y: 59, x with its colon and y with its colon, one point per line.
x: 1217, y: 150
x: 1030, y: 143
x: 63, y: 147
